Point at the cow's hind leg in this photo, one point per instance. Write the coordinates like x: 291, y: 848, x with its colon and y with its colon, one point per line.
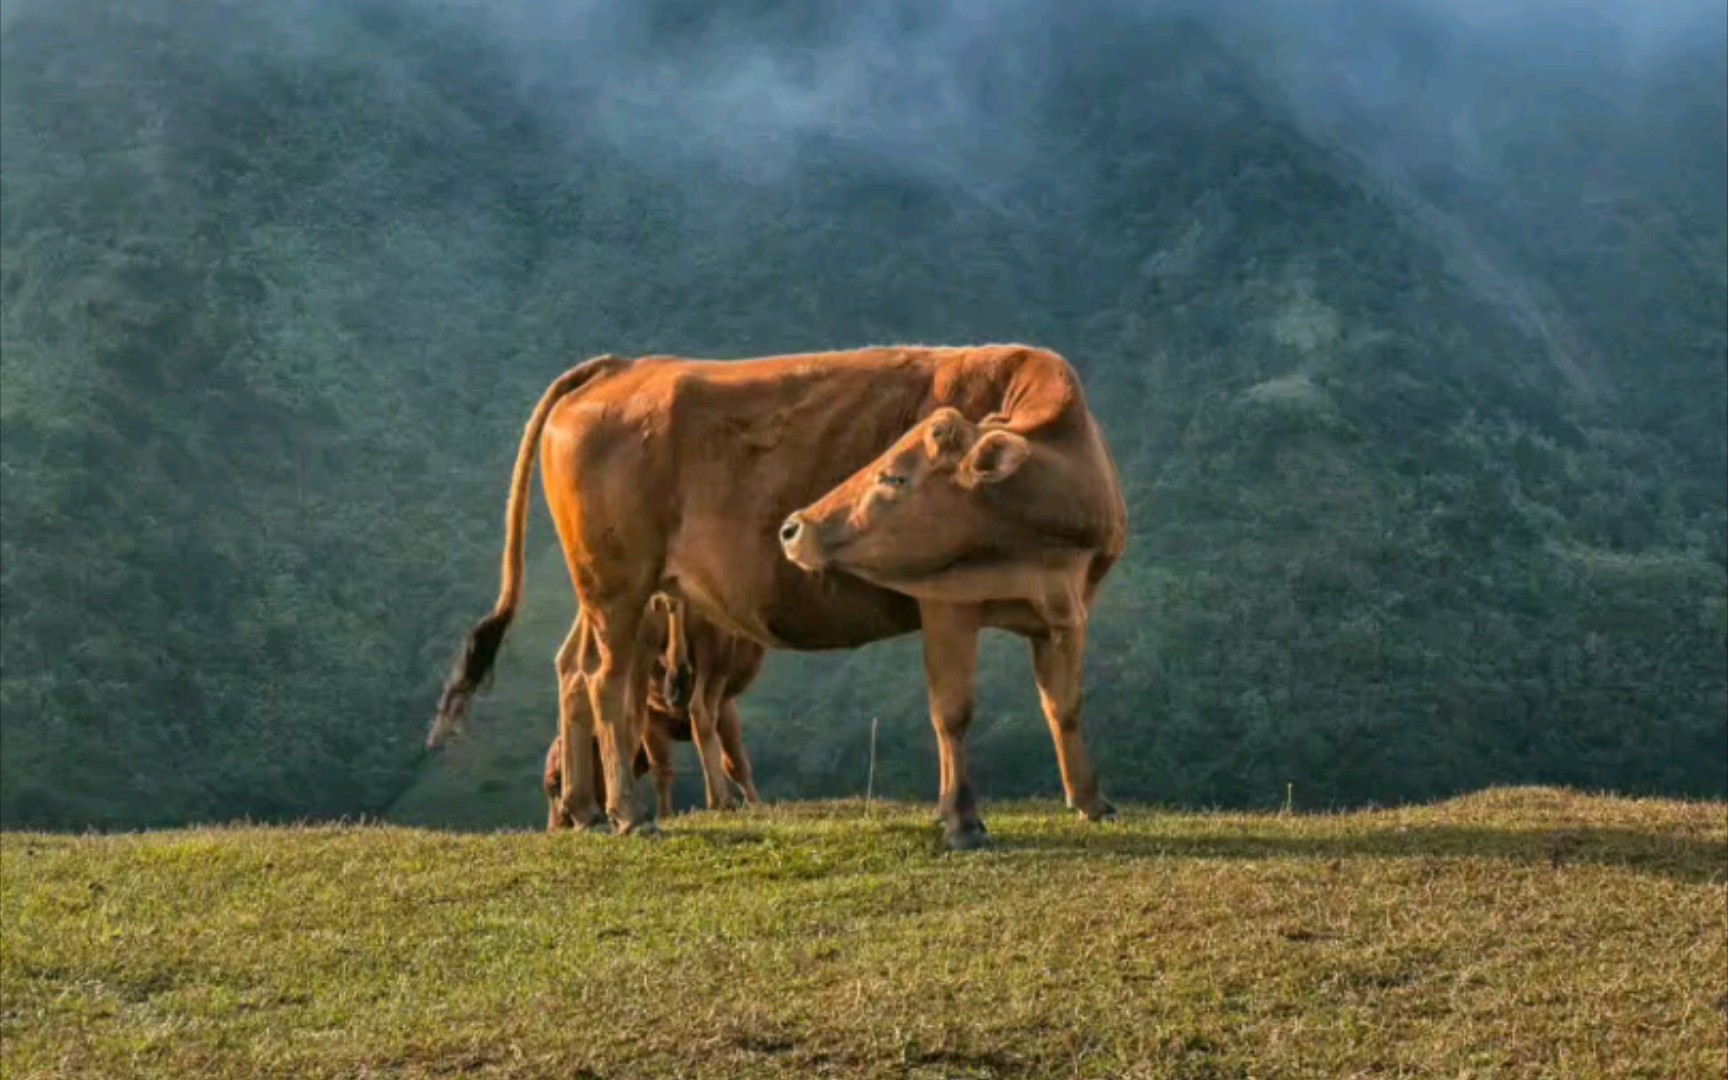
x: 618, y: 692
x: 1057, y: 660
x: 578, y: 803
x: 951, y: 666
x: 734, y: 758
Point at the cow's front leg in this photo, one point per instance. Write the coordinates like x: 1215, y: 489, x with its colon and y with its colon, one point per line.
x: 951, y: 666
x: 1057, y: 663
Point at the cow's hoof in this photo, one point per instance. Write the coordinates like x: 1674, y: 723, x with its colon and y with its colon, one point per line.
x: 649, y: 827
x: 1102, y: 811
x: 973, y: 837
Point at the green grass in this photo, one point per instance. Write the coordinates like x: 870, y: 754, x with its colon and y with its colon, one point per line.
x: 1515, y: 932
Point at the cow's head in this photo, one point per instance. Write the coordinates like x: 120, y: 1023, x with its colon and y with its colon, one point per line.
x: 917, y: 510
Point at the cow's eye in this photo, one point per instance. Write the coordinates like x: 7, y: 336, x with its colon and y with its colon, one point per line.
x: 891, y: 480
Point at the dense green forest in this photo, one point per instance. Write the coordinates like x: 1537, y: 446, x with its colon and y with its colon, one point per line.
x: 1408, y: 332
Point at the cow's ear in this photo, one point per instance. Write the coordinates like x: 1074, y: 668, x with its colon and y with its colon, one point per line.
x: 946, y: 435
x: 995, y: 458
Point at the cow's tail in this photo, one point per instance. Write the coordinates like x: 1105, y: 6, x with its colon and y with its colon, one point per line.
x: 481, y: 647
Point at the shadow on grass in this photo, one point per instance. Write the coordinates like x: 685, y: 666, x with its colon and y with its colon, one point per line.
x: 1679, y: 858
x: 896, y: 829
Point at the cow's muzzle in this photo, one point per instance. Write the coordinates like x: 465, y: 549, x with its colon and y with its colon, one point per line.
x: 801, y: 543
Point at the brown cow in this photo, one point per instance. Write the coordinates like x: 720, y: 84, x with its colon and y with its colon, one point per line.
x: 664, y: 473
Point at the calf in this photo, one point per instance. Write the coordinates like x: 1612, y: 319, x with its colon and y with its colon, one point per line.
x: 701, y: 673
x: 654, y: 754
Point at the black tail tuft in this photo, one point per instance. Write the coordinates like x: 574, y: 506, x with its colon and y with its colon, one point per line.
x: 479, y: 653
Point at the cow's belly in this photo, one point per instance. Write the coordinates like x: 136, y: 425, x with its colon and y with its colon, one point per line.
x: 753, y: 591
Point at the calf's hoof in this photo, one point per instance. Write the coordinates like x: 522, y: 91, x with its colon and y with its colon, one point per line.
x: 594, y: 820
x: 966, y: 837
x: 1102, y: 810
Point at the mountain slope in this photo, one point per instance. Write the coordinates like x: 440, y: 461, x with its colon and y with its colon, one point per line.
x: 281, y: 286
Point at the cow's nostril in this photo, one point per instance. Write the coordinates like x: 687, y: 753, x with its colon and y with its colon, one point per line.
x: 790, y: 529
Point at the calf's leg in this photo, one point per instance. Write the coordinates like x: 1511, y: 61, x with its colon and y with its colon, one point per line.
x: 656, y: 755
x: 553, y: 784
x: 704, y: 723
x: 734, y: 757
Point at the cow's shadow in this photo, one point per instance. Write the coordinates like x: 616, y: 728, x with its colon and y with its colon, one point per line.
x: 1678, y: 857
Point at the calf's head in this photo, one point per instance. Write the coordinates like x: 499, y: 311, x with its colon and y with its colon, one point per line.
x: 919, y: 509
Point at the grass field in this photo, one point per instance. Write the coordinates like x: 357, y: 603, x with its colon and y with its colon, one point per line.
x: 1514, y: 932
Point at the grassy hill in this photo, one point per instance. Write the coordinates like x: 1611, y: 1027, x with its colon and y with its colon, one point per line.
x: 1520, y: 932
